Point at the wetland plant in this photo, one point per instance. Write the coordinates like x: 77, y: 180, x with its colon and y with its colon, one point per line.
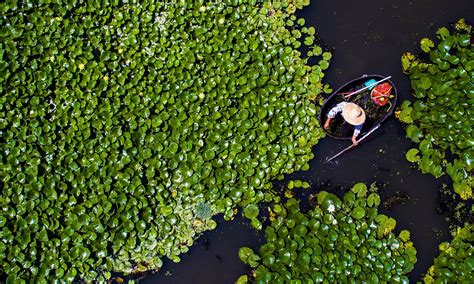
x: 455, y: 263
x: 340, y: 240
x: 441, y: 118
x: 203, y: 210
x: 119, y: 119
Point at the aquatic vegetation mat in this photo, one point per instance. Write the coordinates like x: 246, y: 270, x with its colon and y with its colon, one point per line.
x: 455, y: 264
x: 455, y: 211
x: 125, y: 126
x: 340, y: 240
x: 441, y: 118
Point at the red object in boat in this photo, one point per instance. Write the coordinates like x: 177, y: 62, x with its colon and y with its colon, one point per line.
x: 380, y: 94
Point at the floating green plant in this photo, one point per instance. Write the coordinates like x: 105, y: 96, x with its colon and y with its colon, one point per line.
x: 442, y: 116
x: 120, y: 119
x: 203, y: 210
x: 298, y: 184
x: 341, y: 240
x: 455, y: 264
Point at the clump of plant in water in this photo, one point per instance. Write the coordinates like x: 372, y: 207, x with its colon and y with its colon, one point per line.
x: 456, y: 211
x: 295, y: 184
x: 203, y: 211
x: 122, y: 123
x: 298, y: 184
x: 338, y: 241
x: 455, y: 264
x: 441, y: 117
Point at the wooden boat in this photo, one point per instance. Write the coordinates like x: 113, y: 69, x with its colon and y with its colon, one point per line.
x: 375, y: 114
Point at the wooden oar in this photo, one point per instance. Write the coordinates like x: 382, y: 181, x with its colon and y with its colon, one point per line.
x: 365, y: 88
x: 353, y: 145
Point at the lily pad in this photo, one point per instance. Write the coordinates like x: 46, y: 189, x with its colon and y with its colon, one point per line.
x: 348, y: 247
x: 439, y: 86
x: 154, y: 118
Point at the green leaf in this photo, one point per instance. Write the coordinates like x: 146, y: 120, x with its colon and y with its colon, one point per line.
x: 256, y: 224
x: 247, y: 256
x: 373, y: 200
x: 243, y: 279
x: 251, y: 211
x: 291, y: 184
x: 405, y: 114
x: 360, y: 189
x: 424, y: 83
x: 405, y: 235
x: 464, y: 40
x: 209, y: 154
x: 358, y: 213
x: 414, y: 133
x: 173, y: 147
x: 443, y: 33
x: 412, y: 155
x: 426, y: 44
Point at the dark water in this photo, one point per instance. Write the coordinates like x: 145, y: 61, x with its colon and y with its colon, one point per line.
x: 368, y: 37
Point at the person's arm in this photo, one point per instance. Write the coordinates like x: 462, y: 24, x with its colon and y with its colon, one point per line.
x: 332, y: 113
x: 354, y: 140
x: 328, y: 121
x: 356, y: 133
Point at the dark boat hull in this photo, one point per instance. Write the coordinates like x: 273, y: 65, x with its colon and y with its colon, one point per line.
x: 336, y: 96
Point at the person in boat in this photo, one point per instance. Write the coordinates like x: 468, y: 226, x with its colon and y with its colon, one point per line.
x: 352, y: 114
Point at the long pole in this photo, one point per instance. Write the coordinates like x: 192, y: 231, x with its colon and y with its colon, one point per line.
x: 365, y: 88
x: 353, y: 145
